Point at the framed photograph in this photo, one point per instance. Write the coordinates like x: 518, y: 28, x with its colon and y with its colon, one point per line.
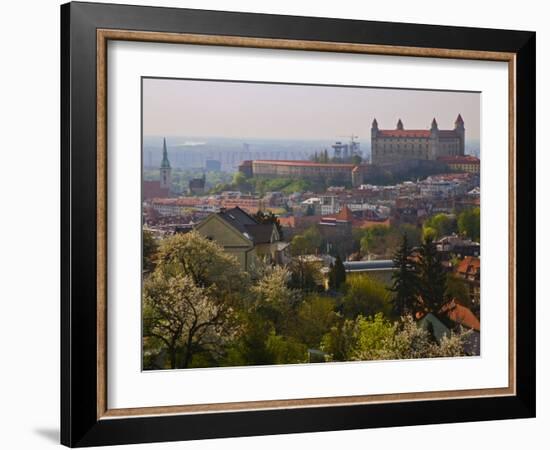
x: 275, y: 224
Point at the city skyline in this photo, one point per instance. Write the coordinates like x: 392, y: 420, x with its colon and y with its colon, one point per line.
x: 248, y: 110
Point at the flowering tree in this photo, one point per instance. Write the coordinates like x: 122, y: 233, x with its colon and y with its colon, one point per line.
x: 185, y: 317
x: 189, y: 301
x: 376, y: 338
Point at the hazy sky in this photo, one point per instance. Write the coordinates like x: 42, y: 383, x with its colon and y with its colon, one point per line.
x: 256, y: 110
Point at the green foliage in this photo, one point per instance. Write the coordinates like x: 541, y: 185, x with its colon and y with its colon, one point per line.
x: 373, y: 334
x: 305, y: 274
x: 307, y: 243
x: 458, y: 289
x: 286, y: 350
x: 468, y: 223
x: 340, y: 341
x: 413, y: 233
x: 376, y: 338
x: 429, y: 233
x: 240, y: 182
x: 184, y: 317
x: 204, y: 261
x: 439, y: 225
x: 337, y: 274
x: 433, y: 280
x: 383, y: 240
x: 314, y: 317
x: 405, y: 280
x: 251, y: 347
x: 274, y: 299
x: 379, y: 240
x: 149, y: 250
x: 365, y: 296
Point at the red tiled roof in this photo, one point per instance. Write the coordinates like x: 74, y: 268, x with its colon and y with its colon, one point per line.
x: 469, y: 265
x: 404, y: 133
x: 345, y: 214
x: 461, y: 315
x: 301, y: 163
x: 367, y: 223
x: 466, y: 159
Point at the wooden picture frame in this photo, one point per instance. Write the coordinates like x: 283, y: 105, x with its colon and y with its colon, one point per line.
x: 85, y: 416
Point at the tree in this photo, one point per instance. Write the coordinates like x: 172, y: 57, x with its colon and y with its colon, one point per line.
x: 429, y: 233
x: 458, y: 289
x: 373, y: 335
x: 305, y: 275
x: 468, y: 223
x: 269, y: 217
x: 433, y: 280
x: 149, y: 250
x: 380, y: 340
x: 441, y: 224
x: 337, y: 273
x: 379, y: 240
x: 307, y: 243
x: 413, y: 233
x: 190, y: 298
x: 184, y: 317
x: 365, y: 296
x: 405, y: 280
x: 356, y: 159
x: 340, y: 341
x: 205, y: 262
x: 315, y: 315
x: 274, y: 299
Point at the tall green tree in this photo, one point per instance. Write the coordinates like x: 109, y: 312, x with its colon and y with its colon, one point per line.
x: 405, y: 280
x: 433, y: 279
x: 337, y: 274
x: 468, y: 223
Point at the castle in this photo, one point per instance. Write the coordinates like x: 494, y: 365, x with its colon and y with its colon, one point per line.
x: 392, y: 146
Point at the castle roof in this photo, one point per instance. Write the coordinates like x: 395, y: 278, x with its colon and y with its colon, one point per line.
x: 345, y: 214
x: 404, y: 133
x: 281, y: 162
x: 466, y: 159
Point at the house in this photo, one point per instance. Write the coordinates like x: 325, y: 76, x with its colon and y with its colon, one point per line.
x: 451, y: 317
x: 469, y: 270
x: 244, y: 237
x: 197, y: 185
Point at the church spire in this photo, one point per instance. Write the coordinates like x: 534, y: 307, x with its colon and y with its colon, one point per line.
x: 459, y: 122
x: 165, y: 163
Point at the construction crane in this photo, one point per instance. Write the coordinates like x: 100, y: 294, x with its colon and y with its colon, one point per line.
x: 353, y: 147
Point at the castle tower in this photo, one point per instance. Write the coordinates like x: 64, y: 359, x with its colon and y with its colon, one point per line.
x: 165, y: 169
x: 374, y: 142
x: 356, y: 176
x: 399, y: 125
x: 433, y: 145
x: 460, y: 131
